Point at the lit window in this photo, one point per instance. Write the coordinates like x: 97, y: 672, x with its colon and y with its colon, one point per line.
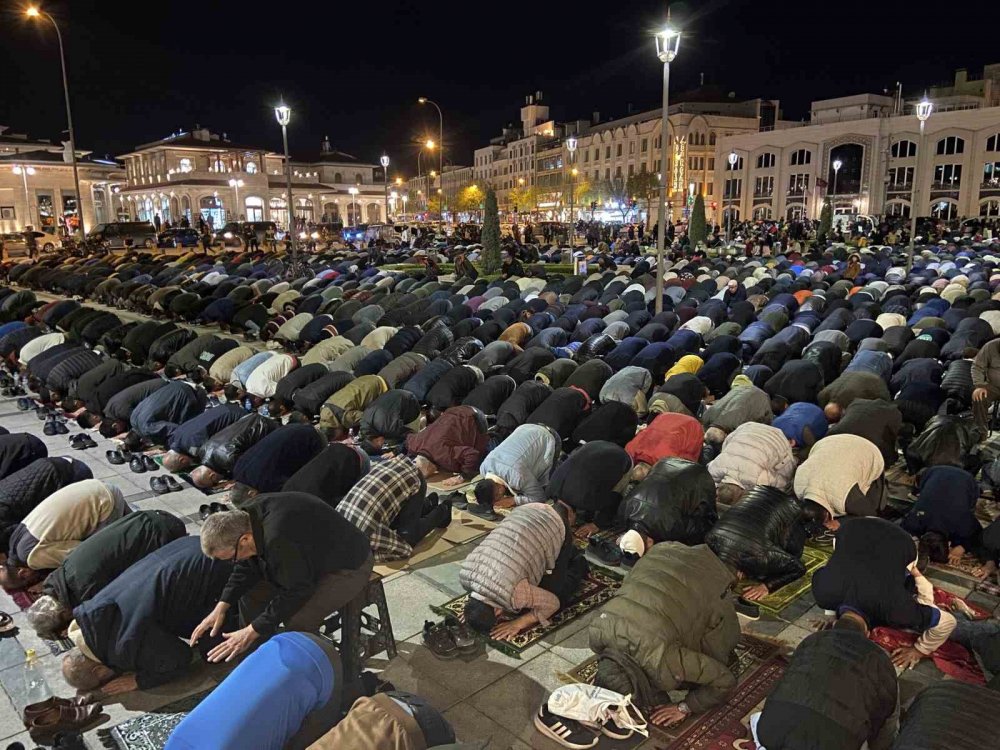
x: 186, y: 165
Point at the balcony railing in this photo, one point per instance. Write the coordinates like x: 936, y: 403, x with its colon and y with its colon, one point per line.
x: 763, y: 193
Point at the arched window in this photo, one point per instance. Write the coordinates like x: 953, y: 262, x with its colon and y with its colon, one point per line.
x: 898, y: 208
x: 251, y: 168
x: 374, y: 213
x: 762, y: 212
x: 951, y: 145
x: 993, y: 142
x: 332, y: 212
x: 278, y: 208
x: 944, y: 209
x: 903, y: 149
x: 254, y: 206
x: 711, y: 138
x: 338, y: 177
x: 846, y: 180
x: 990, y: 208
x: 795, y: 212
x: 738, y: 166
x: 766, y: 160
x: 186, y: 165
x: 357, y: 178
x: 801, y: 157
x: 186, y: 207
x: 304, y: 209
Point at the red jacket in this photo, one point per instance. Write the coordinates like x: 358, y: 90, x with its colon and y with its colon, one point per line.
x: 454, y: 442
x: 669, y: 435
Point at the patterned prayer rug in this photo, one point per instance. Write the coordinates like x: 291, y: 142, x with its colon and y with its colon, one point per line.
x: 149, y: 731
x: 598, y: 587
x: 989, y: 587
x: 776, y: 601
x: 951, y: 658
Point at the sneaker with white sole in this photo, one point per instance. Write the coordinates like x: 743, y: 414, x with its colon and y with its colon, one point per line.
x: 566, y: 732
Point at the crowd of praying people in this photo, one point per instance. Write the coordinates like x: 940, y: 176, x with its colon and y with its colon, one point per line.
x: 759, y: 409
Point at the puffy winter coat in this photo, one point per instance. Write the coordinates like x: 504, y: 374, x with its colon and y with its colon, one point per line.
x: 523, y: 547
x: 588, y: 479
x: 489, y: 395
x: 562, y: 411
x: 163, y: 348
x: 628, y: 386
x: 462, y: 350
x: 742, y: 404
x: 837, y: 692
x: 946, y: 440
x: 455, y: 441
x: 402, y: 368
x: 391, y: 416
x: 454, y: 386
x: 524, y: 462
x: 221, y: 451
x: 669, y: 435
x: 308, y: 399
x: 674, y: 503
x: 191, y: 435
x: 762, y: 536
x: 514, y: 412
x: 672, y: 617
x: 346, y: 407
x: 950, y: 714
x: 64, y: 375
x: 423, y: 381
x: 755, y: 454
x: 22, y: 491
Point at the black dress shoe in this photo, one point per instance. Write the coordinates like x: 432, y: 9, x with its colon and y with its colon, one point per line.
x: 173, y: 484
x: 136, y: 465
x: 159, y: 485
x: 149, y: 463
x: 50, y: 428
x: 604, y: 550
x: 61, y: 428
x: 116, y: 457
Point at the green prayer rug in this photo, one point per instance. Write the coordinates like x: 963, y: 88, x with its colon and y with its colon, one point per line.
x: 776, y: 601
x: 598, y: 587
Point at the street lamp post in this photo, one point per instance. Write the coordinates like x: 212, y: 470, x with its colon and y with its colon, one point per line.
x: 924, y: 110
x: 236, y: 185
x: 393, y: 197
x: 24, y: 172
x: 406, y: 197
x: 425, y: 100
x: 384, y: 161
x: 837, y: 164
x: 732, y: 159
x: 667, y: 43
x: 283, y: 114
x: 354, y: 204
x: 33, y: 12
x: 571, y: 144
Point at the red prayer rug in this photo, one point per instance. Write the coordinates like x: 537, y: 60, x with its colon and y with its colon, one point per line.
x: 952, y: 658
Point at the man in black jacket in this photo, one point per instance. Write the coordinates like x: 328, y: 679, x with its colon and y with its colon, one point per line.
x: 839, y: 691
x: 762, y: 537
x: 299, y: 561
x: 128, y: 637
x: 96, y: 562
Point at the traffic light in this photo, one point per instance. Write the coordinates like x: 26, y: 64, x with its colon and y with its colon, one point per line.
x: 593, y: 205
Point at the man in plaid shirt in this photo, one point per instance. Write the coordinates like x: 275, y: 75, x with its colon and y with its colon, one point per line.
x: 390, y: 504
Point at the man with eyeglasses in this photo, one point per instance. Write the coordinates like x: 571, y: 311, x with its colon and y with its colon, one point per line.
x: 297, y: 561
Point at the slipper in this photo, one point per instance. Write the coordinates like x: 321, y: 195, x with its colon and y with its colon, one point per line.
x: 439, y: 640
x: 465, y: 639
x: 117, y: 457
x: 87, y: 440
x: 150, y: 464
x: 204, y: 511
x: 50, y: 428
x: 79, y: 442
x: 136, y: 465
x: 159, y: 485
x: 172, y: 484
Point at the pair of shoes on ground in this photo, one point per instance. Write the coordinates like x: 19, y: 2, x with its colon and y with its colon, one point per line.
x: 208, y: 509
x: 12, y: 390
x: 59, y: 721
x: 577, y: 735
x: 608, y: 552
x: 26, y: 404
x: 118, y: 457
x: 45, y: 413
x: 140, y: 463
x: 482, y: 511
x: 82, y: 442
x: 55, y: 426
x: 442, y: 507
x: 161, y: 485
x: 450, y: 638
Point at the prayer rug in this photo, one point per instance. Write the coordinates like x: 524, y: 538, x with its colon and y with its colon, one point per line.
x: 751, y: 651
x: 965, y: 566
x: 776, y: 601
x: 149, y: 731
x: 598, y: 587
x: 989, y: 587
x: 24, y: 598
x: 951, y: 658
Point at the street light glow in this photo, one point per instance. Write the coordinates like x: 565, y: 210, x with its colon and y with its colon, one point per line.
x: 236, y: 183
x: 924, y: 109
x: 837, y: 164
x: 384, y: 161
x: 668, y: 42
x: 283, y: 113
x: 399, y: 180
x: 429, y: 144
x: 32, y: 12
x: 422, y: 100
x: 733, y: 158
x: 352, y: 191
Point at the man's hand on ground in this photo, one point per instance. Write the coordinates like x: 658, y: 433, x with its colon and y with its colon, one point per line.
x: 755, y: 593
x: 126, y: 683
x: 212, y: 624
x: 507, y: 501
x: 233, y: 645
x: 955, y: 554
x: 906, y: 657
x: 455, y: 481
x: 506, y: 631
x: 582, y: 532
x: 667, y: 715
x: 985, y: 570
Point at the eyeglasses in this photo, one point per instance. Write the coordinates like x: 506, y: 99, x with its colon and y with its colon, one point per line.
x: 236, y: 552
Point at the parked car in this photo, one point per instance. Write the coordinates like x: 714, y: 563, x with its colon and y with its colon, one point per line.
x: 178, y: 237
x: 115, y: 233
x: 15, y: 244
x: 231, y: 235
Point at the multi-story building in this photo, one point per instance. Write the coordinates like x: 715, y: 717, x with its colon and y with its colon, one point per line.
x: 201, y: 173
x: 867, y: 154
x: 37, y: 188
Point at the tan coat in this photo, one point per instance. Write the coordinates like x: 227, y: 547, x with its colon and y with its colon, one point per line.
x: 376, y: 723
x: 327, y: 350
x: 222, y: 368
x: 67, y: 517
x: 835, y: 464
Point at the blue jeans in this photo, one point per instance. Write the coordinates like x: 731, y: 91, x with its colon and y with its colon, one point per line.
x: 974, y: 635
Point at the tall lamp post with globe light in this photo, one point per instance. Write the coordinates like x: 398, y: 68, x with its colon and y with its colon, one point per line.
x: 924, y: 110
x: 667, y: 43
x: 236, y: 185
x: 837, y: 164
x: 33, y: 12
x: 384, y: 161
x: 732, y: 159
x: 25, y: 171
x: 571, y: 144
x: 283, y: 114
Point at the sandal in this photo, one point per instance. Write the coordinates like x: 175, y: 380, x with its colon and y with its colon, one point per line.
x: 465, y: 640
x: 7, y: 627
x: 439, y: 640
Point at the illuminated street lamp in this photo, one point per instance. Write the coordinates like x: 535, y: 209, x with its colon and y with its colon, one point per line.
x: 571, y: 144
x: 667, y: 44
x: 837, y: 164
x: 384, y: 161
x: 236, y: 185
x: 354, y: 204
x: 24, y: 172
x: 733, y: 158
x: 405, y: 199
x: 33, y: 12
x: 425, y: 100
x: 283, y: 114
x: 924, y: 110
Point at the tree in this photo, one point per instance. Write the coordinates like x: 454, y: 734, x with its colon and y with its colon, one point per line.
x: 646, y: 186
x: 491, y: 234
x: 619, y: 195
x: 825, y: 222
x: 521, y: 199
x: 468, y: 199
x: 696, y: 227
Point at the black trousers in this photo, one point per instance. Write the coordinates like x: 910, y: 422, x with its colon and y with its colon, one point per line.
x: 414, y: 521
x: 570, y: 569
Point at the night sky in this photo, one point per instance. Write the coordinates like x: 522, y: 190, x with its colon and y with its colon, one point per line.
x: 353, y: 71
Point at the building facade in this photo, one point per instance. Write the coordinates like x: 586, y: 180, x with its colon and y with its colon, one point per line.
x: 201, y: 173
x: 37, y: 188
x: 867, y: 154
